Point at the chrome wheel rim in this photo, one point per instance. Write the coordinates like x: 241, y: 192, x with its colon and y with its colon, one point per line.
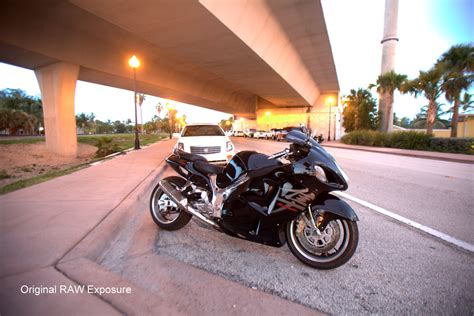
x: 326, y: 246
x: 163, y: 208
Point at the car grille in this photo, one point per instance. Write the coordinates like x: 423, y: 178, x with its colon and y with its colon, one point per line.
x: 205, y: 150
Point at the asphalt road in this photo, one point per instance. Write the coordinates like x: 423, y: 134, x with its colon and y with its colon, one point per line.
x: 396, y: 269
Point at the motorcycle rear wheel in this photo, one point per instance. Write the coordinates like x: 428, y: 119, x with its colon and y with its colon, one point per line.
x: 333, y: 248
x: 165, y: 213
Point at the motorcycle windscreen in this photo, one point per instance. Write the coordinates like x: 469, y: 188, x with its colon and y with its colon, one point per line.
x: 318, y: 154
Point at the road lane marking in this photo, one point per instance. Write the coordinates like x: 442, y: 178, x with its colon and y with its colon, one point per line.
x: 459, y: 243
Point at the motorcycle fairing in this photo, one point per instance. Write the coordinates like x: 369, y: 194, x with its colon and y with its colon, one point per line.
x: 333, y: 204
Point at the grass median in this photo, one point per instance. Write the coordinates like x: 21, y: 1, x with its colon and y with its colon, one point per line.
x: 25, y: 161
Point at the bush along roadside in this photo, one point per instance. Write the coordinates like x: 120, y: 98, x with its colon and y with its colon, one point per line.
x: 410, y: 140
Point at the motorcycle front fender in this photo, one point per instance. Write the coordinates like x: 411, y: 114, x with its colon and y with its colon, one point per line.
x: 333, y: 204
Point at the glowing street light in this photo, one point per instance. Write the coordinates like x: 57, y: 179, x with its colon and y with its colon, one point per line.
x: 330, y: 103
x: 267, y: 114
x: 134, y: 62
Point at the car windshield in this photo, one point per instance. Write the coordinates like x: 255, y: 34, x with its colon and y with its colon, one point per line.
x: 202, y: 130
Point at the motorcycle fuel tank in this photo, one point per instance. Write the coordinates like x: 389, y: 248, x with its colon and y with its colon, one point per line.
x: 242, y: 162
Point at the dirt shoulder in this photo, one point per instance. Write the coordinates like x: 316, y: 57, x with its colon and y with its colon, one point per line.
x: 22, y: 161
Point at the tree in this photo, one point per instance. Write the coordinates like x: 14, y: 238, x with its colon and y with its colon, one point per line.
x: 458, y: 67
x: 420, y: 120
x: 18, y: 100
x: 15, y: 120
x: 386, y: 85
x: 227, y: 124
x: 150, y: 127
x: 120, y: 127
x: 104, y: 127
x: 428, y: 83
x: 360, y: 111
x: 86, y: 122
x: 467, y: 102
x: 405, y: 122
x: 172, y: 119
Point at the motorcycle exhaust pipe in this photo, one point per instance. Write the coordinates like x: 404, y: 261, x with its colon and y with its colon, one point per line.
x: 178, y: 198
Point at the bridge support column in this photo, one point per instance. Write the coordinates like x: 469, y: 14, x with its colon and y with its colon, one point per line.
x: 58, y: 87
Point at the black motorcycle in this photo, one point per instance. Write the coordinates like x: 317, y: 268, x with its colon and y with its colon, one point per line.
x: 262, y: 199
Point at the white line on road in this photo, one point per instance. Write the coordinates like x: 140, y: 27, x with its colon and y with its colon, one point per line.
x: 426, y: 229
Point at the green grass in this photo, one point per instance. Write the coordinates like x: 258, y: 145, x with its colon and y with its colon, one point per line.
x: 25, y: 140
x: 124, y: 141
x: 38, y: 179
x: 4, y: 175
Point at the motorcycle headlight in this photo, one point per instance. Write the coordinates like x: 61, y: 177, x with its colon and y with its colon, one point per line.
x: 180, y: 146
x: 319, y: 173
x: 229, y: 146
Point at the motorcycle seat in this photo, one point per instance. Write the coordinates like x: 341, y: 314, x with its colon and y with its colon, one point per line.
x: 190, y: 157
x: 207, y: 168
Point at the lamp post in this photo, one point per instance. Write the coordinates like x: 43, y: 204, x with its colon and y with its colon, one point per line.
x: 268, y: 113
x: 330, y: 102
x: 135, y: 63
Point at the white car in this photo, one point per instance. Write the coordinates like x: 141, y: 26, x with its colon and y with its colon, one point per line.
x: 262, y: 134
x: 207, y: 140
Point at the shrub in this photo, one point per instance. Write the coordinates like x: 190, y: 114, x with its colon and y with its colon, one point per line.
x: 105, y: 146
x: 4, y: 175
x: 410, y: 140
x: 453, y: 145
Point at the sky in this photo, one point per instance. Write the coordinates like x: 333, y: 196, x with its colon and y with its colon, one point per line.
x: 426, y: 29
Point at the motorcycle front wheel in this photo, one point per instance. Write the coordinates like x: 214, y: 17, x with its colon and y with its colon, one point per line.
x: 329, y: 248
x: 165, y: 213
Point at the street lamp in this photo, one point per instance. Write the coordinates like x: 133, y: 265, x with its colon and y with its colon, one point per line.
x: 135, y: 63
x: 268, y: 113
x: 330, y: 102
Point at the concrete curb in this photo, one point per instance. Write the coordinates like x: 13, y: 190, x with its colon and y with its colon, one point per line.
x: 460, y: 158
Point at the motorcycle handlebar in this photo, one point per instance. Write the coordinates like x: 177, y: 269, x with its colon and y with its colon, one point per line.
x: 279, y: 154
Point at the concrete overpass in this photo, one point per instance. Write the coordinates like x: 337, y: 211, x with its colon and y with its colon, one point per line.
x: 242, y: 57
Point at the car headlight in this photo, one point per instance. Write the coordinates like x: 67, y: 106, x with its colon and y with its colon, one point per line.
x: 180, y: 146
x: 229, y: 146
x: 319, y: 173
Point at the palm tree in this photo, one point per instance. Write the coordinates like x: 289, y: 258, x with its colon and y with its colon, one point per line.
x: 453, y: 85
x: 428, y: 83
x: 386, y: 85
x: 460, y: 58
x: 420, y: 119
x: 360, y: 111
x: 467, y: 102
x: 458, y: 65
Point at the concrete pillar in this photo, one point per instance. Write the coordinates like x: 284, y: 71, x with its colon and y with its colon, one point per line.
x: 58, y: 87
x: 390, y: 39
x: 389, y: 45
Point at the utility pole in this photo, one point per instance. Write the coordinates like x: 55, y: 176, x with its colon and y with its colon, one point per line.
x: 389, y: 45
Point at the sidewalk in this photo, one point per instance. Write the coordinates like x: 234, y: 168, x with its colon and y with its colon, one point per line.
x: 461, y: 158
x: 53, y: 233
